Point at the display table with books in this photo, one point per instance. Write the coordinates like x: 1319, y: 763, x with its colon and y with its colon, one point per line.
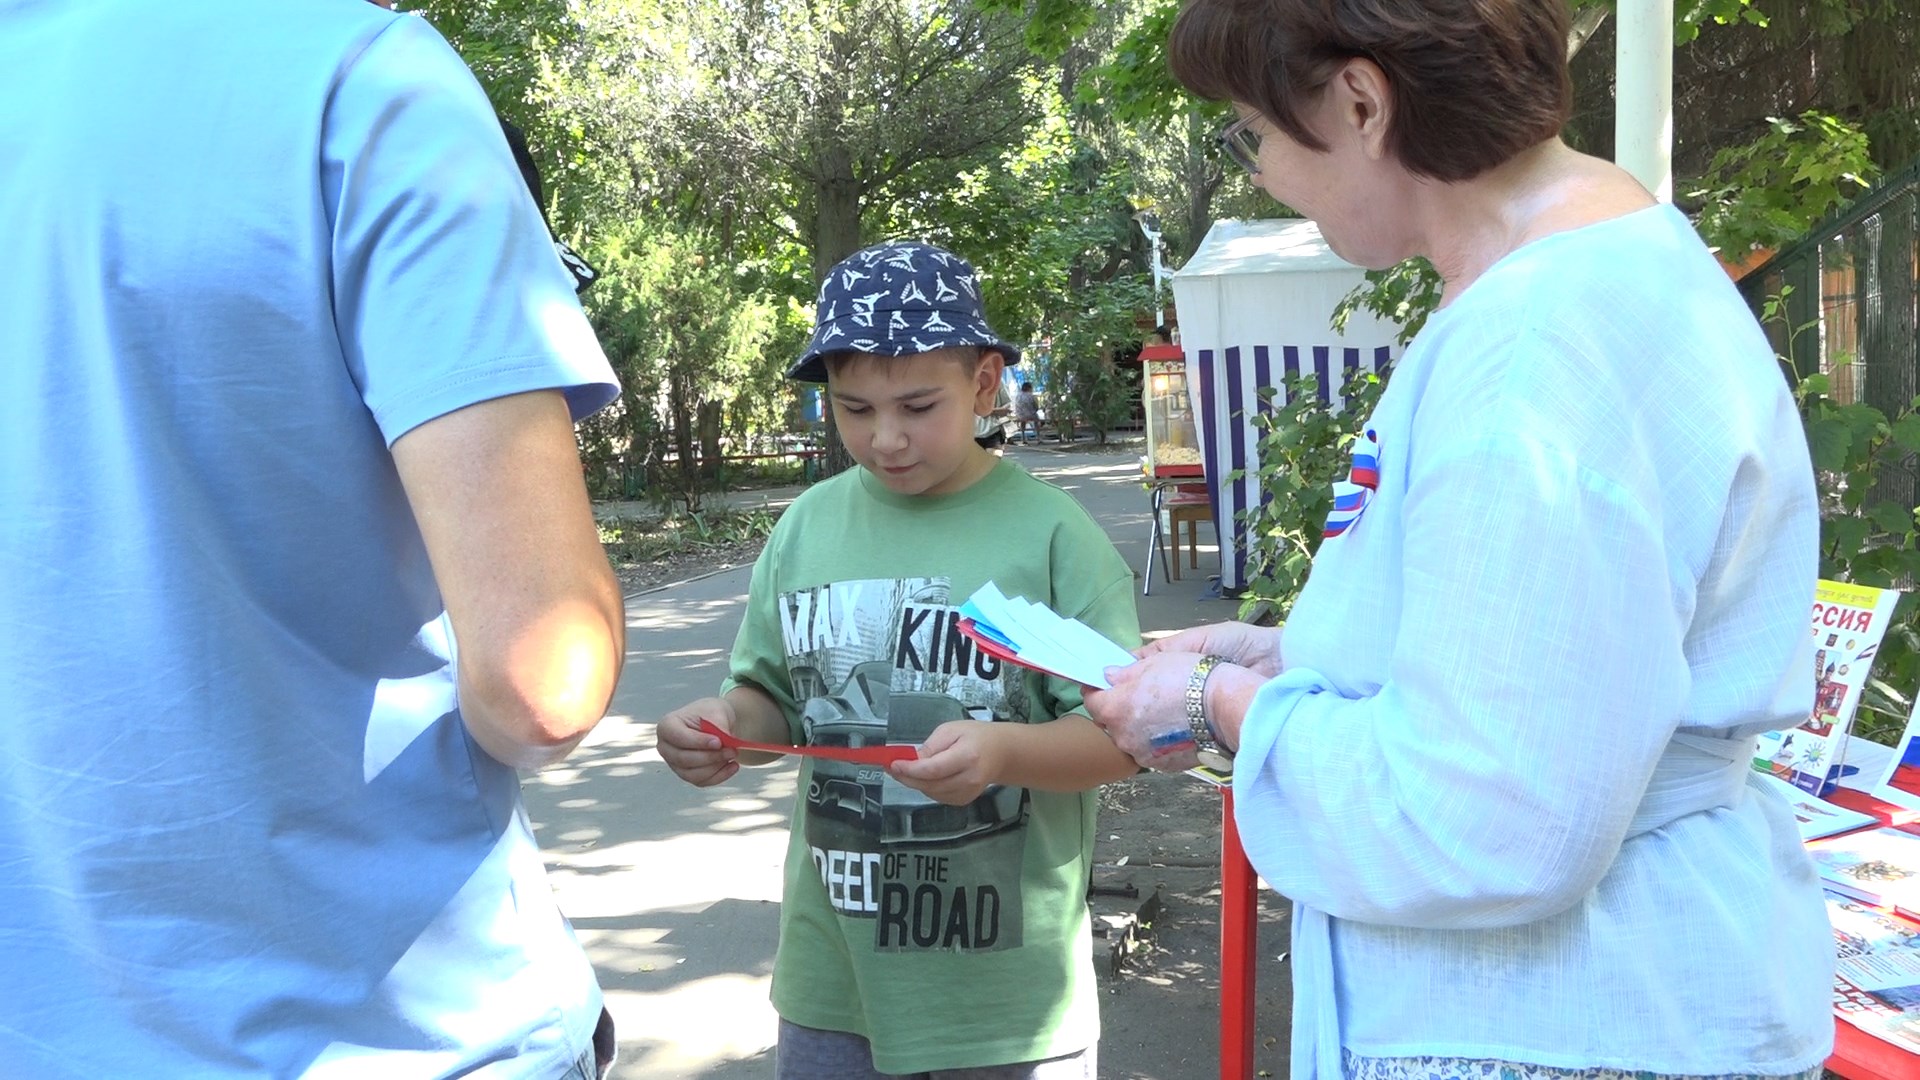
x: 1858, y: 807
x: 1864, y: 836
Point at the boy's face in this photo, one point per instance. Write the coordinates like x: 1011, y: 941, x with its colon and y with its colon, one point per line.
x: 909, y: 420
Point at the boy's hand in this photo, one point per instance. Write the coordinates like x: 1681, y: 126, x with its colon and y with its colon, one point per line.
x: 694, y: 755
x: 957, y: 762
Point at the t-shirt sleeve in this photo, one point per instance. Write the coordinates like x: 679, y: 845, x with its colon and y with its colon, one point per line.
x: 1093, y: 584
x: 759, y: 651
x: 447, y: 290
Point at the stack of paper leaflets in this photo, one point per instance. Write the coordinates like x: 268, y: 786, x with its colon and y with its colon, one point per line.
x: 1034, y: 636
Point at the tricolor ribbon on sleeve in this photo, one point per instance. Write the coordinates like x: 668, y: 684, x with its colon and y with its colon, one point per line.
x: 1351, y: 496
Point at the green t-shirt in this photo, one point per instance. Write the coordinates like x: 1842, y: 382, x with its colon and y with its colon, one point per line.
x: 950, y: 937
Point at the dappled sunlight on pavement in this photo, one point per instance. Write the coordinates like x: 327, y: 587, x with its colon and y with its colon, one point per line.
x: 698, y: 1029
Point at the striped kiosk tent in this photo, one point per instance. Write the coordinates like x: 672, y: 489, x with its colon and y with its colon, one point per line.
x: 1255, y: 307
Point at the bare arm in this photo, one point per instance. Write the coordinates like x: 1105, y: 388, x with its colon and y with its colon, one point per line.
x: 1067, y: 754
x: 697, y: 757
x: 497, y: 492
x: 959, y: 759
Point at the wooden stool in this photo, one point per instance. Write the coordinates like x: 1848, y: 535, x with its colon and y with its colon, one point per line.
x: 1191, y: 509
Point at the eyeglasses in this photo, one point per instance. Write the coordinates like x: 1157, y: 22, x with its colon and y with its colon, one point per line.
x: 1242, y: 144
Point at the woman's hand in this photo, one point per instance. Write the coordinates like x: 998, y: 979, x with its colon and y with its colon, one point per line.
x: 1145, y: 714
x: 695, y: 755
x: 1256, y: 648
x: 957, y: 762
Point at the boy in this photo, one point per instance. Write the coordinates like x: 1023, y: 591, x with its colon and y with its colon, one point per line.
x: 934, y: 916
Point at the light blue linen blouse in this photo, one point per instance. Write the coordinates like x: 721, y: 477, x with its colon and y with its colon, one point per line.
x: 1504, y: 776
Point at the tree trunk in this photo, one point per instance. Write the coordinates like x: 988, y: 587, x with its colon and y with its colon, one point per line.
x: 1204, y: 177
x: 709, y: 426
x: 836, y: 212
x: 836, y: 236
x: 1585, y: 23
x: 685, y: 474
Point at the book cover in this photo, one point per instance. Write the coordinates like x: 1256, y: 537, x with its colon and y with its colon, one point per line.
x: 1847, y: 625
x: 1880, y: 866
x: 1876, y: 985
x: 1818, y: 817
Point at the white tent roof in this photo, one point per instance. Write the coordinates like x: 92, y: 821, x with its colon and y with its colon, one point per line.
x: 1282, y: 245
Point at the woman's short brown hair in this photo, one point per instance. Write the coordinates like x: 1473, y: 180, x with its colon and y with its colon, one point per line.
x: 1474, y: 82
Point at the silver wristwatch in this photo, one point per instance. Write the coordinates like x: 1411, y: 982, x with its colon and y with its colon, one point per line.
x: 1211, y: 753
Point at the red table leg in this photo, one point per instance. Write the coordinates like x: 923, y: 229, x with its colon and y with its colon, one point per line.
x: 1239, y: 937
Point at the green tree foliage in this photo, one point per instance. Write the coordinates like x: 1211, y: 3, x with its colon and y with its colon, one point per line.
x: 1766, y: 193
x: 691, y: 350
x: 1865, y: 538
x: 1403, y: 294
x: 1304, y: 448
x: 852, y: 107
x: 1084, y: 384
x: 1135, y: 83
x: 824, y: 118
x: 510, y: 45
x: 1052, y: 225
x: 774, y: 136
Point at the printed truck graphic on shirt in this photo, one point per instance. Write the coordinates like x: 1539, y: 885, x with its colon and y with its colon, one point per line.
x: 881, y: 662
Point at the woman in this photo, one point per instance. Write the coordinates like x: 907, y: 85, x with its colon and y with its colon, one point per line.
x: 1499, y: 755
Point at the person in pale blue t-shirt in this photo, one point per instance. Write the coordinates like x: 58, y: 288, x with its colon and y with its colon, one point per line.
x: 290, y: 370
x: 1498, y: 756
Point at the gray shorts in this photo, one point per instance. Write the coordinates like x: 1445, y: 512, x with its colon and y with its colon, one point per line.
x: 806, y: 1053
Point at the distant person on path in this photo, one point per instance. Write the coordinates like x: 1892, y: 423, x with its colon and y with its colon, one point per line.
x: 990, y: 427
x: 1026, y: 412
x: 1500, y: 755
x: 935, y: 920
x: 287, y: 410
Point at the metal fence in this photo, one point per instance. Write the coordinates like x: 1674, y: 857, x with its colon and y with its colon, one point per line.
x: 1850, y: 307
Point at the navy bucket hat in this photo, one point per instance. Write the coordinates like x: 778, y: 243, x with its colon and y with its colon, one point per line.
x: 897, y: 299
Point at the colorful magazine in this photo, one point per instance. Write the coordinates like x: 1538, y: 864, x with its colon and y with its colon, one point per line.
x: 1876, y: 985
x: 1848, y: 623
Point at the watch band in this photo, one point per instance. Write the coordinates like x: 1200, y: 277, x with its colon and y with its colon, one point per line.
x: 1197, y: 725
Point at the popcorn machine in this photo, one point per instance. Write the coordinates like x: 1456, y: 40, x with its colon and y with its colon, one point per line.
x: 1173, y: 442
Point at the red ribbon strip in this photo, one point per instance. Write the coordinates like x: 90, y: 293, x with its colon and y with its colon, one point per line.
x: 864, y: 755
